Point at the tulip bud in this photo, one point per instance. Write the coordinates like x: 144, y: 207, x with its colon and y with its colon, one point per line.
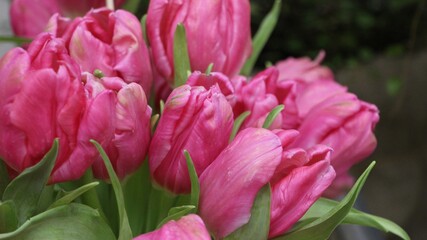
x: 131, y: 118
x: 217, y: 32
x: 299, y: 180
x: 109, y: 41
x: 29, y: 18
x: 42, y: 98
x: 190, y: 227
x: 190, y: 121
x: 228, y: 187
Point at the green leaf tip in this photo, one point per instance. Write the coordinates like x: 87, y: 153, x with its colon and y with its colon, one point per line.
x: 195, y: 184
x: 181, y: 59
x: 237, y: 123
x: 25, y: 190
x: 272, y: 116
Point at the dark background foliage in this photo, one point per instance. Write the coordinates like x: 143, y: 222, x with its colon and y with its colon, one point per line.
x: 350, y: 31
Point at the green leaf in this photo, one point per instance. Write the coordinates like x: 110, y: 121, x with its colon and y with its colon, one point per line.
x: 144, y: 29
x: 125, y: 232
x: 69, y: 222
x: 195, y: 184
x: 26, y: 189
x: 261, y: 37
x: 4, y: 177
x: 237, y: 123
x: 131, y: 5
x: 8, y: 217
x: 162, y: 106
x: 259, y: 223
x: 181, y: 60
x: 17, y: 40
x: 272, y: 115
x: 176, y: 213
x: 70, y: 196
x: 323, y: 206
x: 209, y: 69
x: 321, y: 228
x: 136, y: 189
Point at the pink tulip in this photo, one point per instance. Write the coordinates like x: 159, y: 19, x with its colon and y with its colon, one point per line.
x: 109, y: 41
x: 256, y: 96
x: 29, y: 18
x: 42, y: 98
x: 325, y: 113
x: 221, y: 36
x: 190, y: 227
x: 298, y: 182
x: 228, y: 187
x: 131, y: 118
x: 190, y: 121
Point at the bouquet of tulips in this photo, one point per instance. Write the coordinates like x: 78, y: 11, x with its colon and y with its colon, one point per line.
x: 113, y: 127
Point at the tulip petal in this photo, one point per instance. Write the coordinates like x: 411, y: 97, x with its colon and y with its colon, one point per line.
x: 190, y: 227
x: 230, y: 184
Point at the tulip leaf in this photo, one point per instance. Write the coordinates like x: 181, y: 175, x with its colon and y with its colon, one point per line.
x: 272, y: 116
x: 25, y: 190
x: 70, y: 196
x: 259, y: 223
x: 322, y: 227
x: 153, y: 122
x: 162, y: 106
x: 17, y: 40
x: 323, y: 206
x: 68, y: 222
x: 8, y: 217
x: 176, y: 213
x: 125, y: 232
x: 261, y: 37
x: 209, y: 69
x: 195, y: 184
x: 237, y: 123
x: 136, y: 189
x: 4, y: 177
x: 144, y: 29
x: 181, y: 60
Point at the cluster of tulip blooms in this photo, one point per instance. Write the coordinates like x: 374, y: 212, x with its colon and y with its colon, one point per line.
x: 112, y: 127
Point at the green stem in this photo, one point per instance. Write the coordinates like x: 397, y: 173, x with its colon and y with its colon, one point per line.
x: 90, y: 197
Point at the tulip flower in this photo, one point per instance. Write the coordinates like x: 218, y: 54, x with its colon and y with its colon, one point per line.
x: 256, y: 96
x: 108, y: 41
x: 190, y: 121
x: 228, y: 187
x: 190, y: 227
x: 222, y: 36
x: 42, y: 98
x: 300, y: 179
x: 29, y: 18
x: 131, y: 118
x: 325, y: 113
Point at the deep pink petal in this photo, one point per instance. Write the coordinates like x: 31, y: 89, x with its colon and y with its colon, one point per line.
x: 229, y: 185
